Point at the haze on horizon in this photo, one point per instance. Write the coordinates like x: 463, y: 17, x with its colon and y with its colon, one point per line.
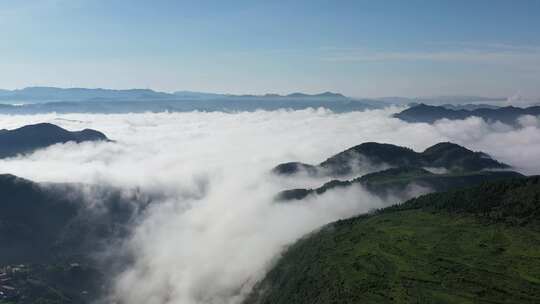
x: 358, y: 48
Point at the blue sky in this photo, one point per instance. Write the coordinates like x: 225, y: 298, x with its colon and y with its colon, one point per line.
x: 360, y: 48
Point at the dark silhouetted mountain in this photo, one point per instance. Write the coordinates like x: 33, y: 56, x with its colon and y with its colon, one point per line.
x: 60, y: 282
x: 293, y: 168
x: 376, y: 155
x: 32, y: 137
x: 403, y: 183
x: 31, y: 219
x: 430, y: 114
x: 321, y: 95
x: 67, y: 237
x: 457, y: 158
x: 298, y: 95
x: 473, y: 245
x: 40, y: 222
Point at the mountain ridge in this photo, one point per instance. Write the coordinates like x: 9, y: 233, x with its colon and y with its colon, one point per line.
x: 447, y: 155
x: 30, y: 138
x: 429, y: 114
x: 395, y: 182
x: 45, y: 93
x: 56, y: 239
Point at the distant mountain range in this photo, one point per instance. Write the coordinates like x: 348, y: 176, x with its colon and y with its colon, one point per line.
x: 47, y: 94
x: 444, y: 100
x: 209, y: 105
x: 373, y: 156
x: 430, y: 114
x: 33, y: 100
x: 37, y: 94
x: 201, y: 95
x: 32, y: 137
x: 466, y: 106
x: 79, y: 100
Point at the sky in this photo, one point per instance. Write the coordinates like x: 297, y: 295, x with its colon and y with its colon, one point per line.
x: 359, y: 48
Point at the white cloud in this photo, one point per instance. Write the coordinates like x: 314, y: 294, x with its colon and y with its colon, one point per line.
x: 523, y: 60
x: 217, y: 230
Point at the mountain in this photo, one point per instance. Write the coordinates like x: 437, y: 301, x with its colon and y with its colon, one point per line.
x: 197, y: 95
x: 456, y: 100
x: 33, y: 94
x: 430, y: 114
x: 225, y: 104
x: 321, y: 95
x: 56, y: 239
x: 30, y: 219
x: 32, y: 137
x: 48, y: 94
x: 42, y: 221
x: 469, y: 106
x: 465, y: 106
x: 186, y: 102
x: 403, y: 183
x: 372, y: 155
x: 473, y: 245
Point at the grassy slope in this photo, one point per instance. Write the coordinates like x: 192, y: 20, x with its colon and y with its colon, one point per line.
x: 418, y: 254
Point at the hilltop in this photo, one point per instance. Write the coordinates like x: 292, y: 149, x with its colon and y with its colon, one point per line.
x: 374, y: 155
x: 33, y: 137
x: 430, y: 114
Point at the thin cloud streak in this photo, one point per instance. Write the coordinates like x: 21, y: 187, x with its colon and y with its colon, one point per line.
x: 518, y: 57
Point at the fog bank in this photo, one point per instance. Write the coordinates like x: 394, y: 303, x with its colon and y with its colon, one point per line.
x: 217, y: 229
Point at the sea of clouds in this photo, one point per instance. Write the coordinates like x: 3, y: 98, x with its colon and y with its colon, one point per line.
x: 217, y: 229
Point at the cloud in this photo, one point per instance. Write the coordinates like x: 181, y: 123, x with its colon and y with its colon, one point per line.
x: 470, y: 56
x: 517, y: 100
x: 216, y: 230
x: 500, y: 46
x: 521, y: 58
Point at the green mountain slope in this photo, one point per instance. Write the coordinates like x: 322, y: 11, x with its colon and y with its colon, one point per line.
x: 475, y: 245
